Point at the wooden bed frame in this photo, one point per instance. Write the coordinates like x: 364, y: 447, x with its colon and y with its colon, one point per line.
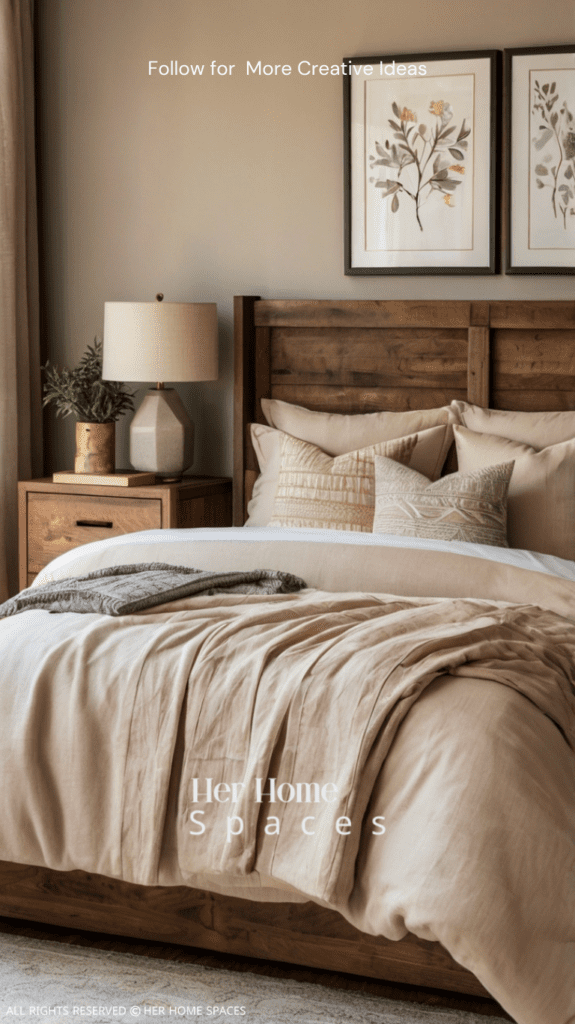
x: 344, y: 356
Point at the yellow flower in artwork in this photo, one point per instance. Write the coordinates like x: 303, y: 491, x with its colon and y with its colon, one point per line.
x: 407, y: 115
x: 447, y: 201
x: 436, y: 107
x: 458, y: 168
x: 441, y: 109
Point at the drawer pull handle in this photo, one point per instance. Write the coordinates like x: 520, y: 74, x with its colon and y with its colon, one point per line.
x: 94, y: 522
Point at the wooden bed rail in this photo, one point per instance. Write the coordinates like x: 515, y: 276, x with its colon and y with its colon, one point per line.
x: 298, y: 933
x: 364, y: 355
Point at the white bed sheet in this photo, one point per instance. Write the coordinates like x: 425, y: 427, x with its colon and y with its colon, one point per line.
x: 84, y: 559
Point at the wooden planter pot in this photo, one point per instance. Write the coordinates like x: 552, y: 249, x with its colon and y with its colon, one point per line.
x: 95, y: 448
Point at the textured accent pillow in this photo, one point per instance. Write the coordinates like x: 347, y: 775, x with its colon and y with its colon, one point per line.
x: 429, y: 456
x: 462, y: 506
x: 541, y: 499
x: 538, y: 429
x: 324, y: 493
x: 337, y: 434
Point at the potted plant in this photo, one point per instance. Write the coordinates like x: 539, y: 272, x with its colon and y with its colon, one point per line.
x: 97, y: 403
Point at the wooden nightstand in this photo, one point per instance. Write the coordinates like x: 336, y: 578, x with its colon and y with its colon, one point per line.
x: 53, y: 518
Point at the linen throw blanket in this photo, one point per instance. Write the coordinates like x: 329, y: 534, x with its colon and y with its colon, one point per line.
x: 317, y: 694
x: 125, y: 589
x: 307, y: 688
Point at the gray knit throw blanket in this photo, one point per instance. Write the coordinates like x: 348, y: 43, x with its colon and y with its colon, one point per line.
x: 124, y: 589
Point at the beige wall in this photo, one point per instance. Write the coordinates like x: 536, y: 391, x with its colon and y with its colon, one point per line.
x: 208, y: 187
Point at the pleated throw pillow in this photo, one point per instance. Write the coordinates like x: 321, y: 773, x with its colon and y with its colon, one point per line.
x: 316, y: 491
x: 469, y: 507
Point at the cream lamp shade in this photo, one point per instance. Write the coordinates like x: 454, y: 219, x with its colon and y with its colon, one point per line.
x: 161, y: 341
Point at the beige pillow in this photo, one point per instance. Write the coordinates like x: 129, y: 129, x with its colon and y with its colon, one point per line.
x: 462, y: 506
x: 324, y: 493
x: 431, y: 452
x: 541, y: 499
x: 336, y: 433
x: 538, y: 429
x: 267, y: 445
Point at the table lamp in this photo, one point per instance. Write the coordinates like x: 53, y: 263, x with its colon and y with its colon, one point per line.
x: 161, y: 341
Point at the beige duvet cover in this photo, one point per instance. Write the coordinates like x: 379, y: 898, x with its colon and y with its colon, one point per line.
x: 449, y: 723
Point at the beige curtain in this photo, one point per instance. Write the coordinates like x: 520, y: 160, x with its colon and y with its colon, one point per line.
x: 20, y: 391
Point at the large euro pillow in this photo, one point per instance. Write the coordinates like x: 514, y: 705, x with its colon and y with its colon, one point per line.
x: 541, y: 497
x: 538, y: 429
x: 469, y: 507
x: 318, y: 491
x: 336, y: 434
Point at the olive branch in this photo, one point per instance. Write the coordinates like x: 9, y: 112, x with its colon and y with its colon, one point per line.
x: 82, y: 391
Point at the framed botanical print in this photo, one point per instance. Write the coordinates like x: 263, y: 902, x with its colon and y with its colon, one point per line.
x: 540, y: 155
x: 420, y: 163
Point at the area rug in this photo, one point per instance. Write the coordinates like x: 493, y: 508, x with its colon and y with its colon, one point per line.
x: 49, y: 980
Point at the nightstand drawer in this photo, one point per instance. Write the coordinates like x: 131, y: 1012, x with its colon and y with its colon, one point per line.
x: 56, y: 517
x: 60, y: 522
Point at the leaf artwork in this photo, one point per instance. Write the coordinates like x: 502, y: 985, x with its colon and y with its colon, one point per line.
x: 555, y: 140
x: 82, y: 391
x: 433, y: 153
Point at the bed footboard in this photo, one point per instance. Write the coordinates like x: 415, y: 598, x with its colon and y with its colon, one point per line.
x: 295, y: 933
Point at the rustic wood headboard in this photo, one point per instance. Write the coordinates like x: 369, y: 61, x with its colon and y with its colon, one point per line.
x: 364, y: 355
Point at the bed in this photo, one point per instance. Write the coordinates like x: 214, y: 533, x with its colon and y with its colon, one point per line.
x: 355, y: 357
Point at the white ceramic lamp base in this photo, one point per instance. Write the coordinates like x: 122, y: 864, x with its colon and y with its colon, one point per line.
x: 162, y: 435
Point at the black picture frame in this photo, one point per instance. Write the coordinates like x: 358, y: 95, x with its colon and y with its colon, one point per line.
x: 533, y: 243
x: 478, y: 221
